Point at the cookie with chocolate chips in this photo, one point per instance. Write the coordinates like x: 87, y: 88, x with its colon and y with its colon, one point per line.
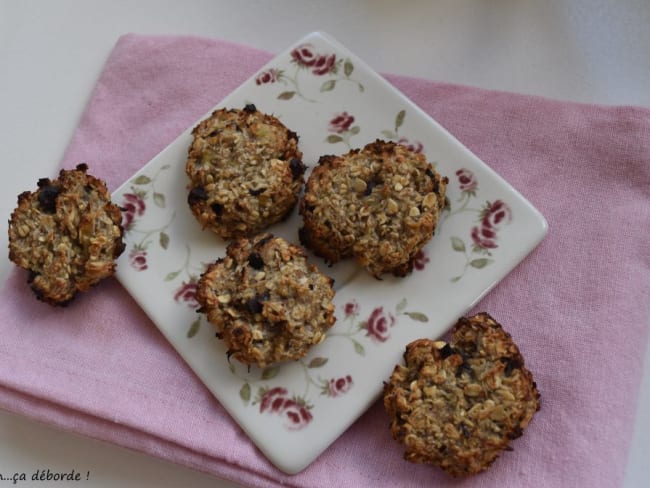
x: 245, y: 172
x: 379, y: 204
x: 266, y: 301
x: 67, y: 234
x: 458, y: 405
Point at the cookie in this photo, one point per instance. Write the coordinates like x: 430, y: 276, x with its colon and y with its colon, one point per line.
x: 458, y: 405
x: 67, y: 234
x: 245, y: 172
x: 266, y: 301
x: 380, y: 204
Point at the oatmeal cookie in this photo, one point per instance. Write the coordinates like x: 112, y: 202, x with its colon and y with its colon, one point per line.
x: 266, y: 301
x: 380, y: 204
x: 245, y: 172
x: 67, y: 234
x: 458, y: 405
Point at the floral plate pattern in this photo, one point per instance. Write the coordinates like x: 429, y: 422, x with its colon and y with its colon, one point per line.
x: 294, y: 411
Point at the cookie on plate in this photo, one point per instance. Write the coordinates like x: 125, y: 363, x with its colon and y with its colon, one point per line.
x: 380, y: 204
x: 67, y: 234
x: 266, y: 301
x: 458, y: 405
x: 245, y: 172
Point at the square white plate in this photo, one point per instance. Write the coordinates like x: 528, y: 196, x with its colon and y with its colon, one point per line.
x: 294, y: 411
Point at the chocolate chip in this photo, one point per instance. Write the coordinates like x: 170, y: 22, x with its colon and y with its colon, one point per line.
x: 217, y: 208
x: 82, y: 167
x: 47, y: 198
x: 31, y: 276
x: 255, y: 261
x: 43, y: 182
x: 254, y: 305
x: 196, y: 195
x: 297, y: 168
x: 310, y: 208
x: 250, y: 108
x: 256, y: 191
x: 464, y: 367
x: 516, y: 432
x: 446, y: 351
x: 465, y: 431
x: 303, y: 237
x: 511, y: 365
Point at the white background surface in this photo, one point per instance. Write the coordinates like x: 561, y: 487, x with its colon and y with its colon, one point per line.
x: 51, y: 53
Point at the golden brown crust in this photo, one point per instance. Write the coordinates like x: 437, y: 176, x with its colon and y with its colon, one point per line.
x: 245, y: 172
x: 459, y: 405
x: 380, y: 204
x: 266, y: 301
x: 67, y: 234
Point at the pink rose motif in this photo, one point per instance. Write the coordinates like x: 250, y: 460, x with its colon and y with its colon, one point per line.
x: 304, y: 56
x: 351, y: 308
x: 273, y: 399
x: 187, y: 294
x: 339, y: 386
x: 420, y: 261
x: 138, y: 259
x: 466, y: 179
x: 497, y: 213
x: 341, y: 122
x: 378, y: 325
x: 268, y: 76
x: 415, y: 146
x: 493, y: 217
x: 296, y: 414
x: 324, y: 64
x: 484, y: 237
x: 133, y: 206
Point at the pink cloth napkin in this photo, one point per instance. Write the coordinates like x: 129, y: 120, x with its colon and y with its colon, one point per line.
x: 577, y: 306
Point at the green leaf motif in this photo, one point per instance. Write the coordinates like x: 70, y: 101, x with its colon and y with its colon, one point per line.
x: 399, y: 119
x: 271, y: 372
x: 418, y: 316
x: 142, y: 180
x: 172, y: 275
x: 245, y: 393
x: 355, y: 130
x: 457, y: 244
x: 361, y: 88
x: 358, y: 348
x: 333, y: 139
x: 164, y: 240
x: 194, y: 328
x: 328, y: 85
x: 456, y: 278
x: 159, y: 199
x: 287, y: 95
x: 389, y: 134
x: 480, y: 263
x: 401, y: 306
x: 348, y: 67
x: 317, y: 362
